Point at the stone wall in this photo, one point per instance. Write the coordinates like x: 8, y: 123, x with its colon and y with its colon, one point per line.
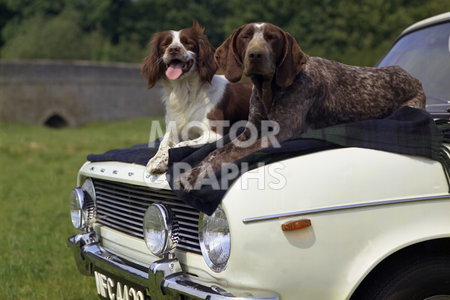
x: 70, y: 93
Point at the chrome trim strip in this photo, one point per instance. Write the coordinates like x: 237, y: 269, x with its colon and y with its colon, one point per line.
x: 340, y: 207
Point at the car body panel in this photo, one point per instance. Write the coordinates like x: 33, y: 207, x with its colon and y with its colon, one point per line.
x: 330, y: 253
x: 324, y: 255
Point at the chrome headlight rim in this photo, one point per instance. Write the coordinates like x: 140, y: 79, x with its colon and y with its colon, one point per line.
x: 203, y: 219
x: 76, y: 208
x: 83, y: 205
x: 90, y: 203
x: 88, y: 187
x: 169, y: 229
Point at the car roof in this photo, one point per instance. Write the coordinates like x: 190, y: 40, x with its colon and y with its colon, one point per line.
x: 442, y: 18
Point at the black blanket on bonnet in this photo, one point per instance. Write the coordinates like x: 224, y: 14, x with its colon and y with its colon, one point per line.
x: 407, y: 131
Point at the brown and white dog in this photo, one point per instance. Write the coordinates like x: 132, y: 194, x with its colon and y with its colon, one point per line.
x: 300, y: 92
x: 193, y: 95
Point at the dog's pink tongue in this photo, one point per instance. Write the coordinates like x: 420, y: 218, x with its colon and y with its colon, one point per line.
x: 174, y: 71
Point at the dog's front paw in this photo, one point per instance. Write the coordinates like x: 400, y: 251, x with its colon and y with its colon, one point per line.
x: 188, y: 180
x: 184, y: 182
x: 157, y: 165
x: 194, y: 178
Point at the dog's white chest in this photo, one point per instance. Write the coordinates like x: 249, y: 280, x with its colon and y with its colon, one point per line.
x: 190, y: 100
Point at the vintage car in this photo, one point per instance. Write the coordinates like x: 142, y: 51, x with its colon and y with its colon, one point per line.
x: 349, y: 222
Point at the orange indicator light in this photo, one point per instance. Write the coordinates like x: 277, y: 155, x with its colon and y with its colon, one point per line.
x: 294, y: 225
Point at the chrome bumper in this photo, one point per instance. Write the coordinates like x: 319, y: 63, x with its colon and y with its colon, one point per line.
x: 165, y: 278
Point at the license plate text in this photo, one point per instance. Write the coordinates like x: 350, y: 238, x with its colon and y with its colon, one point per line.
x: 115, y: 290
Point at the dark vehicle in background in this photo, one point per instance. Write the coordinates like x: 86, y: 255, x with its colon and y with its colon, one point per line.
x: 423, y: 50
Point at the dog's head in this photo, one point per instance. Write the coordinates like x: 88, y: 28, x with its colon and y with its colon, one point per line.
x: 261, y: 49
x: 178, y: 54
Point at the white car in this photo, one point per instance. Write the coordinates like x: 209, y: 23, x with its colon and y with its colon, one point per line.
x: 347, y: 222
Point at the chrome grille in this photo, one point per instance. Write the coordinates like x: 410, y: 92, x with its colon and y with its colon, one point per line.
x: 122, y: 207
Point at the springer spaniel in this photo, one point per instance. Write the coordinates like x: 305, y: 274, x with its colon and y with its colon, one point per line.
x: 193, y: 95
x: 300, y: 92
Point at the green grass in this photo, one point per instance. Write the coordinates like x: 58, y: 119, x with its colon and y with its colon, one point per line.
x: 38, y: 170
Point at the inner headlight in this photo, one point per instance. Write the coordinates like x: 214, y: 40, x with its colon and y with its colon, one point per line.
x: 160, y: 230
x: 215, y: 240
x: 89, y: 208
x: 82, y: 205
x: 88, y: 187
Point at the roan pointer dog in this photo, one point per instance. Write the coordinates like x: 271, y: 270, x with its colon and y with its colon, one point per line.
x: 300, y: 92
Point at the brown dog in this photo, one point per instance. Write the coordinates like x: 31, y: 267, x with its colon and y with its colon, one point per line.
x: 300, y: 92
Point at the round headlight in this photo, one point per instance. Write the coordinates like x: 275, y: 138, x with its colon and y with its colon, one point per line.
x: 88, y: 187
x: 76, y: 208
x: 215, y: 240
x: 82, y: 206
x: 159, y: 234
x: 89, y: 208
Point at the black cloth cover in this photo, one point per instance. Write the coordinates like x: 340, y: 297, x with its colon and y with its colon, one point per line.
x: 408, y: 131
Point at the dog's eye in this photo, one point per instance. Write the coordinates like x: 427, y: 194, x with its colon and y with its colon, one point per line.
x: 166, y: 43
x: 187, y: 42
x: 270, y: 37
x: 245, y: 36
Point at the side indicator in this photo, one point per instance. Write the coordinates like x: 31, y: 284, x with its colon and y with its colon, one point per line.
x: 295, y: 225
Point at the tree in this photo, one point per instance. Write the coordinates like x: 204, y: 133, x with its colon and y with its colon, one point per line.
x: 354, y: 32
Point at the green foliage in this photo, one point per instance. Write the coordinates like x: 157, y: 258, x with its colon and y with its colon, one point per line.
x: 355, y: 32
x: 48, y: 38
x: 38, y: 170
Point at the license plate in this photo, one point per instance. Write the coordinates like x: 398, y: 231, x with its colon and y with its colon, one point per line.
x: 110, y: 288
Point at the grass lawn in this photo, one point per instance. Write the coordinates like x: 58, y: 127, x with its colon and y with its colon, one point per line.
x: 38, y: 169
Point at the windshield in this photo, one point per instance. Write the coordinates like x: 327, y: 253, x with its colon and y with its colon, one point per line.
x: 425, y: 54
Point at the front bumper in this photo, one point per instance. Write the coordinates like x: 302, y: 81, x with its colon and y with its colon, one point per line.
x: 164, y: 279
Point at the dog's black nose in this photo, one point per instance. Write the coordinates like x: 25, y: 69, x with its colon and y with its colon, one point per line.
x: 255, y: 55
x: 174, y: 50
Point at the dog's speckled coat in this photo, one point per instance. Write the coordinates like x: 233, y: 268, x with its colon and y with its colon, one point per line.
x: 302, y: 92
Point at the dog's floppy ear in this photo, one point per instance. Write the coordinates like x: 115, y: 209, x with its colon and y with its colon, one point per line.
x: 153, y: 67
x: 197, y: 27
x: 291, y: 63
x: 228, y: 58
x: 206, y: 65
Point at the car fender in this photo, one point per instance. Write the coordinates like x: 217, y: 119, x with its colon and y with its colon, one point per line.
x: 363, y: 205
